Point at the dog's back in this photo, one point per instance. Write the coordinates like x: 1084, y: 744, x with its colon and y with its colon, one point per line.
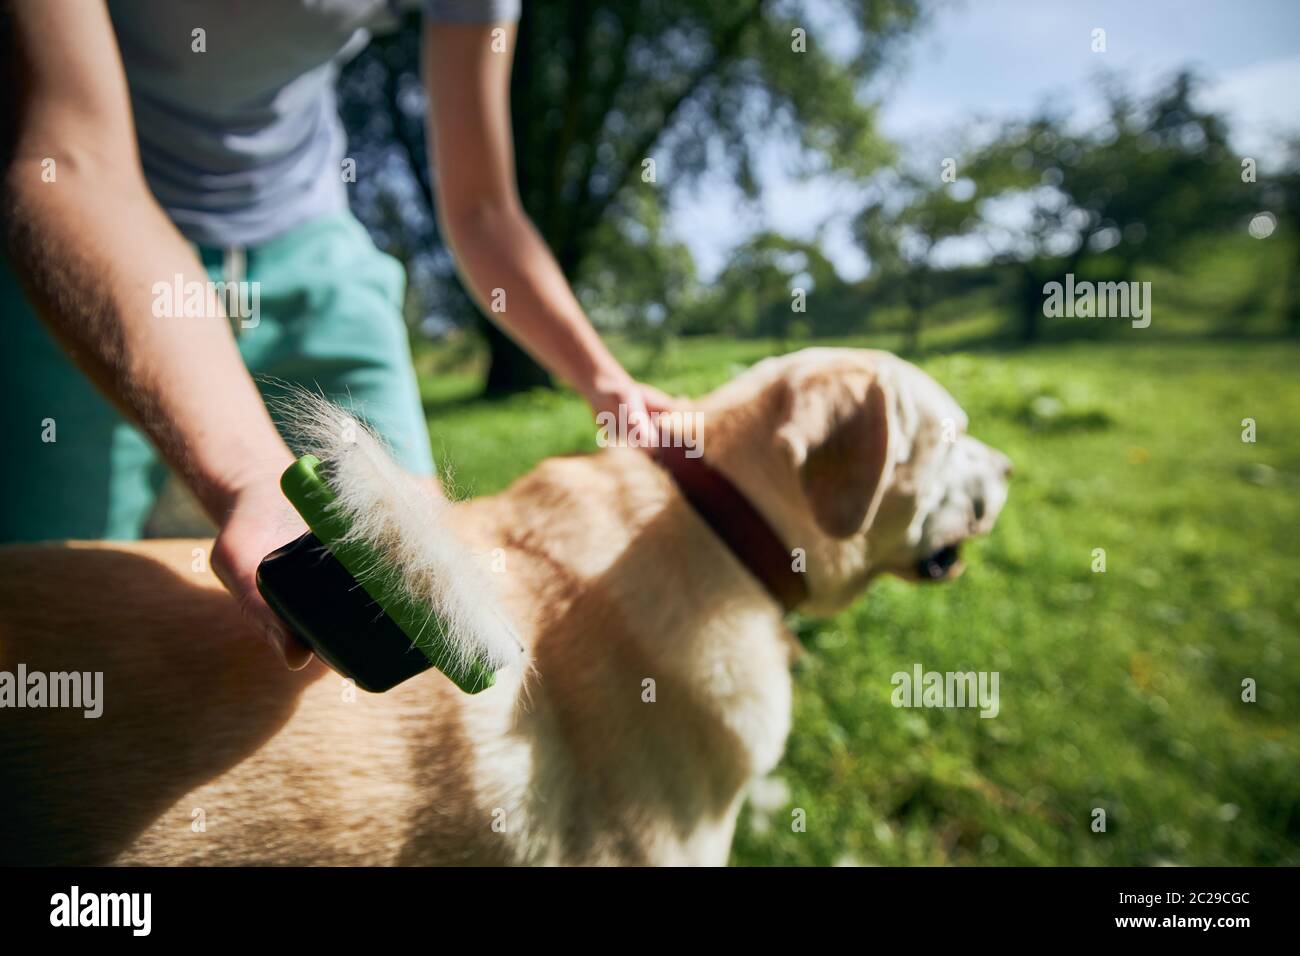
x: 610, y: 748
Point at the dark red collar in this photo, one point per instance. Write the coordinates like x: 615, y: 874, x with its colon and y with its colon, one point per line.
x: 733, y: 519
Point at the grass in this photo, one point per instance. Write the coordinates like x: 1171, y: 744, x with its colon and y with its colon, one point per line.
x: 1119, y: 690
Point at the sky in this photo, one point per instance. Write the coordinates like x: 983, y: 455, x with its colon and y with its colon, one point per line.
x: 999, y: 59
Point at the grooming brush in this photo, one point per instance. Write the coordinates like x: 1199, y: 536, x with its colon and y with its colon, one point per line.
x: 379, y: 588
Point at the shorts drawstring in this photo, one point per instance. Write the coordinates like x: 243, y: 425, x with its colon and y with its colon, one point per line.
x: 234, y: 267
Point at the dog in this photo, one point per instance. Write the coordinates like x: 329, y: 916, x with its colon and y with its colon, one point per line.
x: 657, y: 685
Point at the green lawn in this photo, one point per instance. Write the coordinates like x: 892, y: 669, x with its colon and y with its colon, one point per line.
x: 1119, y: 691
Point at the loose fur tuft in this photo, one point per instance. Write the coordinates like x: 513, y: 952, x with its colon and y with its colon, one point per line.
x: 400, y: 516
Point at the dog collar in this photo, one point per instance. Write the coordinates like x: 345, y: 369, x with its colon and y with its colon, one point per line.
x: 737, y: 522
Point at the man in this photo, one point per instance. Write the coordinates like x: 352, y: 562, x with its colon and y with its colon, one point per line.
x: 151, y: 145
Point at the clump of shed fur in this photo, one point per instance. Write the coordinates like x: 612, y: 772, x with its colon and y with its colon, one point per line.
x: 402, y: 517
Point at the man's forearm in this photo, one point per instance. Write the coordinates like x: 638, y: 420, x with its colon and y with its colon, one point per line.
x: 89, y: 248
x: 517, y: 282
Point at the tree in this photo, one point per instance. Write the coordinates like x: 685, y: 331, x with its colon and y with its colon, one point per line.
x: 1282, y: 192
x: 1137, y: 187
x: 619, y: 103
x: 900, y: 228
x: 771, y: 286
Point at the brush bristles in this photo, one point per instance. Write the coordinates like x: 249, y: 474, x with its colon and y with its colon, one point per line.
x: 401, y: 517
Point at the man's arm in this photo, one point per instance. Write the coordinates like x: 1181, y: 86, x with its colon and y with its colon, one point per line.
x: 495, y: 245
x: 89, y: 246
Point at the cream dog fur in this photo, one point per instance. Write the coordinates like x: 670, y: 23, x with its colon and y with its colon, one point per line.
x: 209, y: 753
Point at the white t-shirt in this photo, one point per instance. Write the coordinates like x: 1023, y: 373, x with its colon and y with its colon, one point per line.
x: 241, y: 141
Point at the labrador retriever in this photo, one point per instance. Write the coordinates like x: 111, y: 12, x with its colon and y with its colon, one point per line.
x: 657, y: 685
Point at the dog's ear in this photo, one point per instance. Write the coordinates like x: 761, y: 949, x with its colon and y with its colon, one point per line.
x: 836, y: 432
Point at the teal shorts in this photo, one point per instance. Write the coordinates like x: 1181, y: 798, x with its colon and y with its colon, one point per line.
x: 330, y: 319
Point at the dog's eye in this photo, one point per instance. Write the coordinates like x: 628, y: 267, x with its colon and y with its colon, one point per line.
x: 978, y: 505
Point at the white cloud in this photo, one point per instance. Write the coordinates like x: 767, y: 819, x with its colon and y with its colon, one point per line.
x: 1260, y: 101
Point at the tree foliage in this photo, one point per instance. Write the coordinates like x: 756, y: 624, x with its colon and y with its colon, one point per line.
x: 1137, y: 187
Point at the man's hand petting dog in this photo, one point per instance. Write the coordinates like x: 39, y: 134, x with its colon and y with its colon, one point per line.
x: 610, y: 393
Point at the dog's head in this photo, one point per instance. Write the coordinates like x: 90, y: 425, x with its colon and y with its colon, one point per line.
x: 861, y: 460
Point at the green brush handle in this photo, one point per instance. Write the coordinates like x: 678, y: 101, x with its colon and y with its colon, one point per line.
x: 306, y: 489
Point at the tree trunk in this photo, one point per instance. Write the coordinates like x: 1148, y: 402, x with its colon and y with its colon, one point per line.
x: 916, y: 311
x: 914, y: 325
x: 1031, y: 304
x: 510, y: 368
x: 1291, y: 295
